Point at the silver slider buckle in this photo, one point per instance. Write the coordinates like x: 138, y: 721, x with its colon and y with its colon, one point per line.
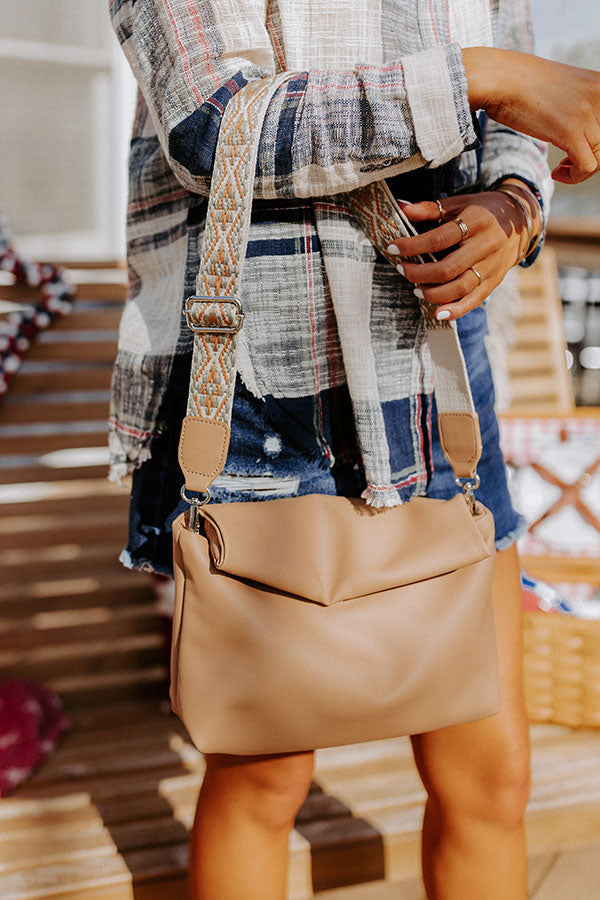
x: 195, y: 326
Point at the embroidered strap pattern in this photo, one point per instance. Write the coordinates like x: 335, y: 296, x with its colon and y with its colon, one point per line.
x: 375, y: 210
x: 212, y: 379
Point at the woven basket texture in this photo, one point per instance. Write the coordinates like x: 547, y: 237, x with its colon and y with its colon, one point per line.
x: 562, y: 669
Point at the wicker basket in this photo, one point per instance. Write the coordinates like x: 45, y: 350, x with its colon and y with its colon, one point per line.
x: 562, y: 669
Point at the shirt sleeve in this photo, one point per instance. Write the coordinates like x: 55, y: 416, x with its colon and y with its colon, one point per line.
x: 508, y: 153
x: 324, y: 131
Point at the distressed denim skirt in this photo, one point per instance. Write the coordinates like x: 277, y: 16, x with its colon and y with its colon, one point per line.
x: 276, y: 451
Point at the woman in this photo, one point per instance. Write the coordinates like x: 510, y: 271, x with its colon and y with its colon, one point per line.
x: 385, y: 89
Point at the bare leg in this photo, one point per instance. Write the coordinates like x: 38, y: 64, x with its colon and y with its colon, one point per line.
x: 246, y: 809
x: 477, y: 777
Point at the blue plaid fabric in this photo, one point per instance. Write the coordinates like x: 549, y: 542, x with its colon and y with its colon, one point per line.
x: 380, y: 90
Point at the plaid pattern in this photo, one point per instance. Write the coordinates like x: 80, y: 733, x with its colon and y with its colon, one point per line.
x: 380, y: 91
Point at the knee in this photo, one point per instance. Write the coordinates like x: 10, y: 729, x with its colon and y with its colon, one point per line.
x: 495, y: 790
x: 270, y: 790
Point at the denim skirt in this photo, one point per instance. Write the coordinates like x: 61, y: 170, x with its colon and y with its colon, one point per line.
x: 276, y: 451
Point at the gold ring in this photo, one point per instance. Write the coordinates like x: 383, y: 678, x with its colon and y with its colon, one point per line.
x: 464, y: 229
x: 439, y: 206
x: 479, y: 278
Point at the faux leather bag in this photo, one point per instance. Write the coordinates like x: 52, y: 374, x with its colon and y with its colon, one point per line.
x: 316, y: 621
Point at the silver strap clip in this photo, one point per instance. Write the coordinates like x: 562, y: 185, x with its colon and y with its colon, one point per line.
x: 196, y: 503
x: 468, y: 486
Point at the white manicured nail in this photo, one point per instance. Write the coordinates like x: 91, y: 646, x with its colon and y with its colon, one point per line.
x: 400, y: 269
x: 443, y: 314
x: 393, y: 250
x: 420, y: 295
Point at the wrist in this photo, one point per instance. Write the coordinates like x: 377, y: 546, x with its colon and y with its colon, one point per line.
x: 526, y: 201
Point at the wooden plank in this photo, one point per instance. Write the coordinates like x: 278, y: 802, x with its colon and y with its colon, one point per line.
x: 61, y: 592
x: 583, y: 228
x: 522, y: 361
x: 533, y: 390
x: 61, y: 560
x: 32, y: 500
x: 67, y: 351
x: 65, y: 879
x: 575, y: 412
x: 379, y: 890
x: 147, y: 682
x: 530, y: 335
x: 102, y: 624
x: 14, y: 413
x: 86, y: 377
x: 573, y: 875
x: 110, y: 291
x: 12, y: 445
x: 92, y: 658
x: 104, y: 315
x: 32, y: 472
x: 536, y: 364
x: 133, y: 592
x: 125, y: 712
x: 45, y: 530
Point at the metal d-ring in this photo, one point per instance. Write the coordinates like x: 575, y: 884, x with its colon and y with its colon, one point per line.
x: 468, y: 486
x: 196, y: 503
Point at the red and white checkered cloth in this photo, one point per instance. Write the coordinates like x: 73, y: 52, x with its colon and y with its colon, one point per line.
x: 32, y: 722
x: 564, y: 445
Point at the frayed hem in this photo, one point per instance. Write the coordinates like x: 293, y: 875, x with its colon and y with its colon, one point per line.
x: 513, y: 536
x: 125, y: 456
x: 381, y: 499
x: 143, y: 565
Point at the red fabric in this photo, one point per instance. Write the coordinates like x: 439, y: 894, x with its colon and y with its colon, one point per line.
x: 32, y: 722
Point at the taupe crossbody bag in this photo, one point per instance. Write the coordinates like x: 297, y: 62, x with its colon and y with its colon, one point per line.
x: 315, y: 621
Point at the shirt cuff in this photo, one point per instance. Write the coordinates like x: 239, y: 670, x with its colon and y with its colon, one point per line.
x: 436, y: 87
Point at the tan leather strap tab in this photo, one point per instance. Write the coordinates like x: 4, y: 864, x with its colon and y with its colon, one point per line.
x: 461, y: 441
x: 202, y: 451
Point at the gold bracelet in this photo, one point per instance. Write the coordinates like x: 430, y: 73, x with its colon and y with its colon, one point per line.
x: 531, y: 245
x: 520, y: 204
x: 540, y: 216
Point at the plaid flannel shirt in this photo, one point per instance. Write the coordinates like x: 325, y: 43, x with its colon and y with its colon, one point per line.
x: 380, y: 91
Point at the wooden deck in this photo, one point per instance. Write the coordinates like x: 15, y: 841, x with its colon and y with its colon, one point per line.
x: 107, y: 817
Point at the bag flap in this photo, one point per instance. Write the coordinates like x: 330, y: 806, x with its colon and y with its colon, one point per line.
x: 327, y: 548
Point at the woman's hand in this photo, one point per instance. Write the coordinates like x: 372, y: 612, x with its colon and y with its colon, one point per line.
x: 495, y: 240
x: 544, y: 99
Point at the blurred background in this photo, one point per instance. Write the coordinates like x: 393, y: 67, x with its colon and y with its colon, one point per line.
x: 84, y: 648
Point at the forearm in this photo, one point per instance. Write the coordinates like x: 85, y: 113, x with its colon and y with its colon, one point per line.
x: 332, y: 131
x: 549, y: 101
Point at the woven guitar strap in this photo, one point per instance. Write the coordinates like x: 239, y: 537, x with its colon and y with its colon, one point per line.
x: 215, y: 314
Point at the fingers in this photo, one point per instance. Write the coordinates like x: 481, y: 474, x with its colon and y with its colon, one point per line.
x: 453, y: 265
x: 434, y: 241
x: 567, y: 172
x: 470, y: 301
x: 465, y: 284
x: 424, y: 211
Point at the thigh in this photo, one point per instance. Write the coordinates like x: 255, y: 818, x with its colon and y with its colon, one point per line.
x: 494, y: 751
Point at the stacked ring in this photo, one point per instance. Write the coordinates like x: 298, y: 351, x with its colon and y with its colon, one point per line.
x: 439, y: 206
x: 464, y: 229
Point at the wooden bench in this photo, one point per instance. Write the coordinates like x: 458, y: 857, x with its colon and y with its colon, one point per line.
x: 107, y: 816
x: 537, y: 371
